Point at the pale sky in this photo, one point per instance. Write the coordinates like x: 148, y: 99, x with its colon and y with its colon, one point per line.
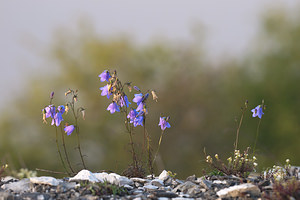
x: 27, y: 27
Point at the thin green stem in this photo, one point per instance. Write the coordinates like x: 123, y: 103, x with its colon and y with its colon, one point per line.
x: 238, y: 130
x: 58, y: 149
x: 129, y: 129
x: 77, y: 132
x: 257, y: 131
x: 78, y: 143
x: 65, y: 149
x: 159, y: 142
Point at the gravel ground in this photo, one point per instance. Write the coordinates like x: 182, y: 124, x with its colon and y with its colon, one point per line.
x: 162, y: 187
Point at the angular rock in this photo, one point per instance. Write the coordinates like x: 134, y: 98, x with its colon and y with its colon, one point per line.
x: 164, y: 175
x: 85, y: 175
x: 150, y: 187
x: 114, y: 178
x: 239, y: 190
x: 140, y: 180
x: 7, y: 179
x: 48, y: 180
x: 19, y: 186
x: 161, y: 193
x: 157, y: 182
x: 188, y: 188
x: 223, y: 182
x: 205, y: 183
x: 192, y: 178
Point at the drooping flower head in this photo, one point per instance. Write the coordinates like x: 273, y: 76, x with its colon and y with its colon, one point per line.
x: 136, y: 88
x: 124, y: 101
x: 163, y: 123
x: 69, y: 129
x: 140, y: 107
x: 138, y: 121
x: 257, y: 111
x: 138, y: 98
x: 49, y: 111
x: 132, y: 114
x: 113, y: 107
x: 105, y: 76
x: 105, y: 91
x: 61, y: 109
x: 51, y: 95
x: 57, y: 119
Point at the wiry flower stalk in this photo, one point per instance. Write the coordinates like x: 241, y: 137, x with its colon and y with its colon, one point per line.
x: 65, y: 149
x: 60, y: 156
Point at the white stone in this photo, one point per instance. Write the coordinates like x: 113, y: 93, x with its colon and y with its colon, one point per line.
x: 19, y: 186
x: 8, y: 178
x: 220, y: 182
x: 40, y: 197
x: 150, y: 187
x: 125, y: 181
x: 157, y: 182
x: 85, y: 175
x: 114, y: 178
x: 128, y: 187
x: 237, y: 190
x: 101, y: 176
x: 45, y: 180
x: 164, y: 175
x: 140, y: 180
x: 163, y: 198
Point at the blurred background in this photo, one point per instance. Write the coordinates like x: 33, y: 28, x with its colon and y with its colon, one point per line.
x: 203, y: 58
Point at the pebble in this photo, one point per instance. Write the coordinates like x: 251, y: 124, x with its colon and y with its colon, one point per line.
x: 45, y: 180
x: 162, y: 187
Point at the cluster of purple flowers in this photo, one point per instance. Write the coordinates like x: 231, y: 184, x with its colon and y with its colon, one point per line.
x: 115, y: 88
x: 56, y: 115
x: 119, y: 99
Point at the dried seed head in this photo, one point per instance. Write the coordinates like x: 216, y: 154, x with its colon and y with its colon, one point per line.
x: 155, y: 97
x: 68, y: 92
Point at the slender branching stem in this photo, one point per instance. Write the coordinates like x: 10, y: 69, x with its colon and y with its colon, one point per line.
x: 238, y: 130
x: 256, y: 137
x: 159, y: 142
x: 60, y: 156
x: 129, y: 129
x: 78, y: 143
x: 77, y: 132
x: 65, y: 149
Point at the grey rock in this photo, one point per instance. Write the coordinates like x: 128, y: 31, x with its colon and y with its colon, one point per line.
x: 85, y: 175
x: 45, y: 180
x: 5, y: 195
x: 187, y: 188
x: 150, y: 188
x: 7, y: 179
x: 192, y: 178
x: 157, y: 182
x: 19, y: 186
x: 161, y: 193
x: 238, y: 190
x: 114, y: 178
x: 205, y: 183
x: 164, y: 175
x: 140, y: 180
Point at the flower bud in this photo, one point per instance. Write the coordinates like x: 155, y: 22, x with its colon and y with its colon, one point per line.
x: 68, y: 92
x: 51, y: 95
x: 217, y: 156
x: 136, y: 88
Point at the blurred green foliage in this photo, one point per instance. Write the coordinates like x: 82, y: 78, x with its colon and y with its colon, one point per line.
x: 202, y: 100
